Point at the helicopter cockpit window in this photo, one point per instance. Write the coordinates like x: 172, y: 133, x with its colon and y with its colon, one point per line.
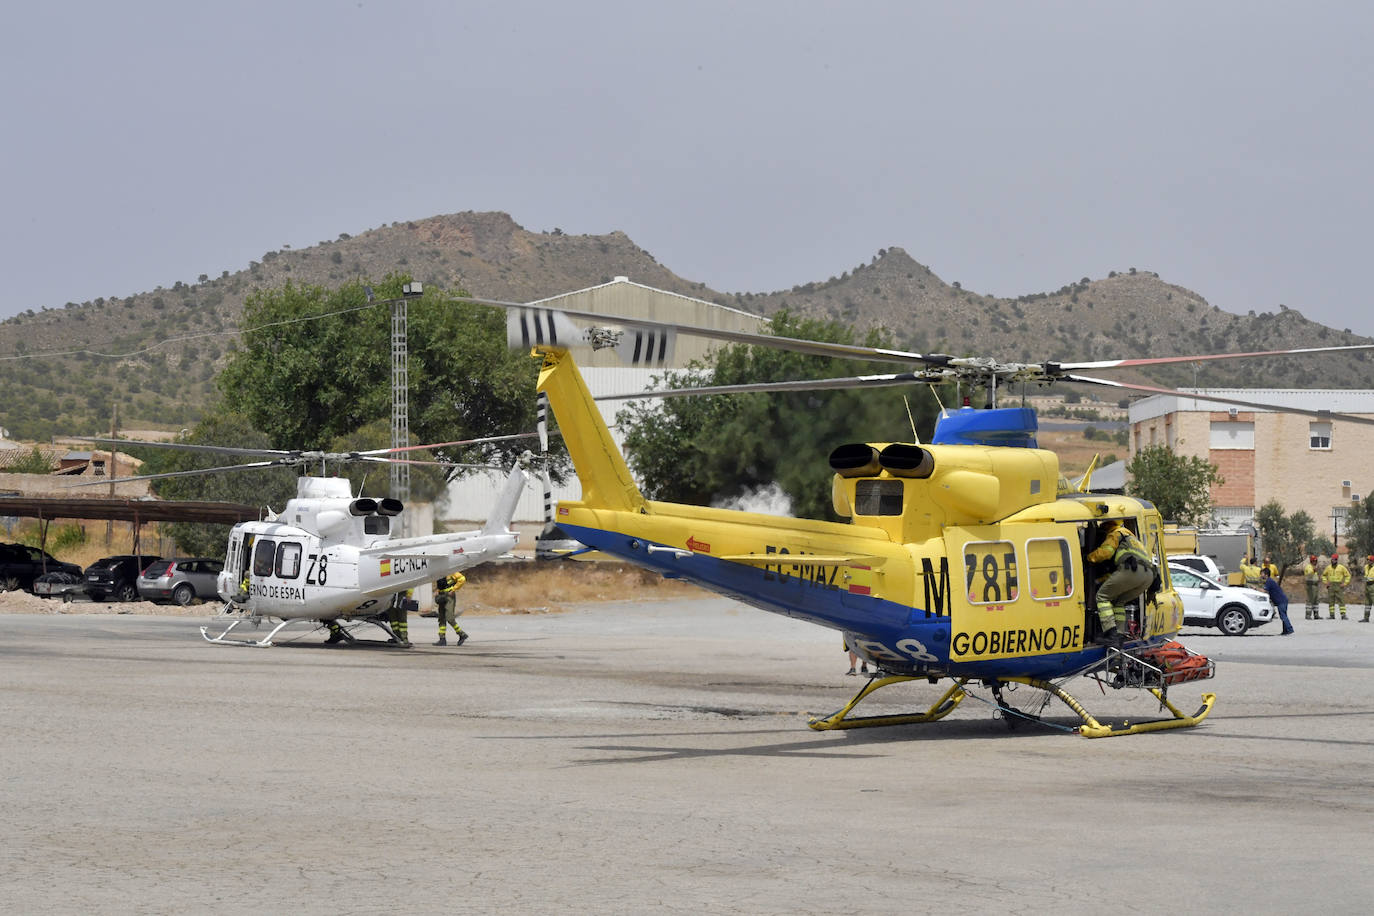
x: 289, y: 560
x: 990, y: 575
x: 264, y: 555
x: 1051, y: 569
x: 377, y: 524
x: 878, y: 497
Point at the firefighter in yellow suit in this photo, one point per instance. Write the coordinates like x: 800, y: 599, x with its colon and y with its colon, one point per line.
x: 1130, y: 576
x: 1368, y: 587
x: 1336, y: 577
x: 1251, y: 571
x: 446, y: 596
x: 399, y: 617
x: 1312, y: 579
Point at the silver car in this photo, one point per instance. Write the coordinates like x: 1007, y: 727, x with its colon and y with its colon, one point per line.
x: 180, y: 579
x: 1208, y: 603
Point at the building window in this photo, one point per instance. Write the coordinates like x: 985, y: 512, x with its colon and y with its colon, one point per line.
x: 1232, y: 434
x: 1319, y: 435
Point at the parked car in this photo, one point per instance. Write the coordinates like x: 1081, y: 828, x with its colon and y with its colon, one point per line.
x: 20, y: 564
x: 115, y: 577
x: 180, y: 579
x: 61, y: 584
x: 1199, y: 563
x: 1207, y: 603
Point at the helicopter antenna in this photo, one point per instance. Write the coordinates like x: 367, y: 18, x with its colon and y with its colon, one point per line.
x: 936, y: 393
x: 910, y: 419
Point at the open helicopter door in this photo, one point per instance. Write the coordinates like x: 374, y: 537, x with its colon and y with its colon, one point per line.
x: 235, y: 565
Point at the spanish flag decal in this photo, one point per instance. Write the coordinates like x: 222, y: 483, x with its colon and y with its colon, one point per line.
x: 386, y: 566
x: 860, y: 580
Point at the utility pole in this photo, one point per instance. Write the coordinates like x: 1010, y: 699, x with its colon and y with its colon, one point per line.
x: 113, y: 470
x: 400, y: 385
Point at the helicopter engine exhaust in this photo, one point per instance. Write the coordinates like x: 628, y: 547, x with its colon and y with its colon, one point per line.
x: 362, y: 507
x: 899, y: 459
x: 902, y: 460
x: 857, y: 459
x: 389, y: 506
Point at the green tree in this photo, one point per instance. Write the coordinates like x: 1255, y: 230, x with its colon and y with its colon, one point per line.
x: 316, y: 366
x: 1285, y: 537
x: 1179, y: 486
x: 1359, y: 529
x: 427, y: 481
x: 1321, y: 546
x: 711, y: 450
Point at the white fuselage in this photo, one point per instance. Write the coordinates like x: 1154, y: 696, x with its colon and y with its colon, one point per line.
x: 328, y: 555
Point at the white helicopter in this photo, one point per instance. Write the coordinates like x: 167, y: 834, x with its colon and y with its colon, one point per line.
x: 328, y: 557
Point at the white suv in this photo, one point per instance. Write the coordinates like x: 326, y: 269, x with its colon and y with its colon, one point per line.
x: 1198, y: 563
x: 1208, y: 603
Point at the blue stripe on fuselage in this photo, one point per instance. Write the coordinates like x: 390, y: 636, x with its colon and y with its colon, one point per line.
x: 921, y: 642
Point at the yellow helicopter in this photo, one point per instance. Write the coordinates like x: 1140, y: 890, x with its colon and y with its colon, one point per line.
x: 966, y: 562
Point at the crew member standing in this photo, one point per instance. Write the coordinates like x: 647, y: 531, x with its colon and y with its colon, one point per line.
x: 1368, y: 587
x: 1251, y: 572
x: 399, y: 617
x: 446, y: 596
x: 1130, y: 576
x: 1312, y: 578
x: 1336, y: 578
x: 1279, y: 599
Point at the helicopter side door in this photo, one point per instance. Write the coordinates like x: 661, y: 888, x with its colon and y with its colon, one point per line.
x: 1022, y: 591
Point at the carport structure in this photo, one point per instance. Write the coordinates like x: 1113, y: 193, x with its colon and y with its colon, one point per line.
x: 135, y: 511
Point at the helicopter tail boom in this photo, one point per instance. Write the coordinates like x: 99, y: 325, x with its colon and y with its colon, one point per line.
x: 499, y: 520
x: 606, y: 479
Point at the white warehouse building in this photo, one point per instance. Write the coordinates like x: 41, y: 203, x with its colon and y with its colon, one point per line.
x: 472, y: 498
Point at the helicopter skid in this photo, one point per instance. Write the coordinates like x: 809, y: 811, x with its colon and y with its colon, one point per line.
x: 1091, y: 727
x: 938, y: 710
x: 223, y: 640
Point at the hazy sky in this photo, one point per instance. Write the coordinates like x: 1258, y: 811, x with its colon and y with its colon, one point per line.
x: 1011, y: 146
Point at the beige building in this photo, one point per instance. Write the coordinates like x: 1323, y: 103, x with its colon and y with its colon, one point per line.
x: 471, y: 498
x: 1306, y: 462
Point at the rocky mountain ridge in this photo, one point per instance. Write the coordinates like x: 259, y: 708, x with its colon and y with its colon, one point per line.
x: 155, y: 354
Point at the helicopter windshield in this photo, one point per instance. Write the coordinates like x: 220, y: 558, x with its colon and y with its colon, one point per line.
x: 878, y: 497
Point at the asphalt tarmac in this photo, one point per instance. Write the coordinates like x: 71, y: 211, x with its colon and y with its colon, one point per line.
x: 636, y: 757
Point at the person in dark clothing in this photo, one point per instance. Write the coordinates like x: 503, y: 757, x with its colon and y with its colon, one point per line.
x: 1279, y: 600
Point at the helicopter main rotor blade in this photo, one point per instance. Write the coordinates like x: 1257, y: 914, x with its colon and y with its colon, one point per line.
x: 437, y: 464
x: 1161, y: 360
x: 251, y: 466
x: 412, y: 448
x: 1222, y: 399
x: 819, y: 384
x: 791, y: 344
x: 188, y: 447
